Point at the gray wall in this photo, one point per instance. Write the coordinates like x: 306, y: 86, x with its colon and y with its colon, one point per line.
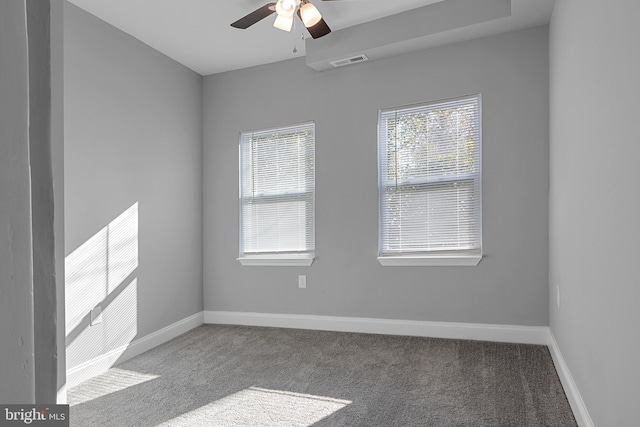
x: 133, y: 134
x: 16, y: 277
x: 509, y: 286
x: 594, y: 205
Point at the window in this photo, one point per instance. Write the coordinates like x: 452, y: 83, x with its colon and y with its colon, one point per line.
x: 277, y: 196
x: 429, y: 159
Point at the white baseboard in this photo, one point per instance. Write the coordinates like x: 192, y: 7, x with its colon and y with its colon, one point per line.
x: 570, y: 388
x: 466, y: 331
x: 61, y: 396
x: 100, y: 364
x: 540, y: 335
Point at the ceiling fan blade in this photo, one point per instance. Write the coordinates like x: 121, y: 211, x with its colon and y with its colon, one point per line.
x: 255, y: 16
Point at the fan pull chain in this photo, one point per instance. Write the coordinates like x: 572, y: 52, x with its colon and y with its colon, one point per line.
x: 293, y: 31
x: 295, y: 49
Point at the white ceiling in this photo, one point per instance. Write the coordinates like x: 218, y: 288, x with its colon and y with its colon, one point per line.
x: 197, y: 33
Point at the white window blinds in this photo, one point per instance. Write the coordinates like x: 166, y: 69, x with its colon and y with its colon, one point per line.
x: 277, y: 191
x: 429, y: 159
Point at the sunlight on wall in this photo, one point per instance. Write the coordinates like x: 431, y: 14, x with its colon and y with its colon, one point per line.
x: 256, y: 406
x: 98, y: 273
x: 102, y: 344
x: 97, y: 267
x: 122, y: 252
x: 85, y: 279
x: 113, y: 380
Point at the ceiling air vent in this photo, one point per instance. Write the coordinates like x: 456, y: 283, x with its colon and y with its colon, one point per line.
x: 348, y: 61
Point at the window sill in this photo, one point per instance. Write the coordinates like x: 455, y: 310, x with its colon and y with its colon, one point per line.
x: 432, y: 260
x: 277, y: 260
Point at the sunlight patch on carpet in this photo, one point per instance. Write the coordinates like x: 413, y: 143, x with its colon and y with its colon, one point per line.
x: 257, y: 406
x: 113, y: 380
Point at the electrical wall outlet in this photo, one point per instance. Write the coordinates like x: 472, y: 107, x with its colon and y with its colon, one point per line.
x: 302, y: 281
x: 96, y: 316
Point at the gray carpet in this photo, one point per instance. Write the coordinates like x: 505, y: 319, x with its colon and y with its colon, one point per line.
x: 247, y: 376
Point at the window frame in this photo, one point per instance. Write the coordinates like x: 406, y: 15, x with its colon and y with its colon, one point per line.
x: 462, y: 257
x: 276, y: 258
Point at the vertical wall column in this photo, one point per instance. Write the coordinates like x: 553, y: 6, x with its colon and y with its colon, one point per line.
x: 17, y: 373
x: 42, y: 204
x: 28, y: 312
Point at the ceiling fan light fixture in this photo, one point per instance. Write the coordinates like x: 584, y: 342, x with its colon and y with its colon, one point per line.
x: 309, y: 14
x: 286, y: 7
x: 283, y: 22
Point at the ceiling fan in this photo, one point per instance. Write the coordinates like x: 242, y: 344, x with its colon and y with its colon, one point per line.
x: 285, y: 9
